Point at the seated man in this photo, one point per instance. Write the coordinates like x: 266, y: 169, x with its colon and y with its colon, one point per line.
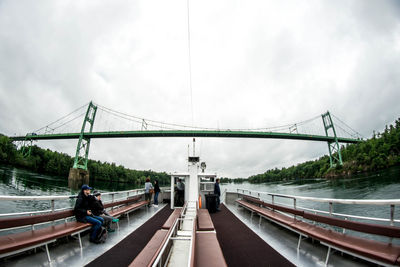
x: 84, y: 214
x: 97, y: 208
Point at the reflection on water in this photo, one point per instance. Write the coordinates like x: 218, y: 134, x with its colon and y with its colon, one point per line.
x: 380, y: 185
x: 17, y: 182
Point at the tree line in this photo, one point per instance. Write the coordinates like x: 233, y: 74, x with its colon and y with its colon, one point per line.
x: 50, y: 162
x: 379, y: 152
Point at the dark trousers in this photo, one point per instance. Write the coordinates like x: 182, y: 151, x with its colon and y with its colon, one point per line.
x: 97, y: 223
x: 217, y: 202
x: 156, y: 198
x: 147, y: 197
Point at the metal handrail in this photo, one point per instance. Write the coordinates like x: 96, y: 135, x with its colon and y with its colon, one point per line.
x: 13, y: 198
x: 61, y: 197
x: 330, y: 201
x: 339, y: 214
x: 168, y: 239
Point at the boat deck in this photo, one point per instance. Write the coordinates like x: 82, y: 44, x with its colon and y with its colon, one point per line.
x: 240, y: 245
x: 311, y: 253
x: 68, y: 253
x: 243, y: 242
x: 123, y: 253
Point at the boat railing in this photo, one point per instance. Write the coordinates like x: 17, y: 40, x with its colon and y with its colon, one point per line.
x: 330, y: 201
x: 52, y: 199
x: 223, y: 196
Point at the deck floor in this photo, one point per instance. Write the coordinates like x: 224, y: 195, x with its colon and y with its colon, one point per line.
x: 240, y: 245
x: 123, y: 253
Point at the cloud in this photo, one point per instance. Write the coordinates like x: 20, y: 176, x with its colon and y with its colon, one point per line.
x: 254, y: 64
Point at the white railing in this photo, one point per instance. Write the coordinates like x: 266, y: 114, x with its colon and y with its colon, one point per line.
x: 52, y: 199
x: 330, y: 201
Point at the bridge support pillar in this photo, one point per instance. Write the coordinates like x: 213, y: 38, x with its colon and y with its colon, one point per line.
x: 82, y: 150
x: 77, y: 178
x: 333, y: 146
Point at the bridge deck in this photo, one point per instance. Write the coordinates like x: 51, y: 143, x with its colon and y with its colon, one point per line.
x: 188, y: 133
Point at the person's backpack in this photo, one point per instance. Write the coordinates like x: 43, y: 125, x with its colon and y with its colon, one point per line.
x: 102, y: 235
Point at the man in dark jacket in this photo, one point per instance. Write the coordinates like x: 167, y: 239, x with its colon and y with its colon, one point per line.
x: 84, y: 214
x: 217, y: 191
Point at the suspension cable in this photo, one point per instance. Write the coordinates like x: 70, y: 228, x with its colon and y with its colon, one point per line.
x: 61, y: 118
x: 357, y: 133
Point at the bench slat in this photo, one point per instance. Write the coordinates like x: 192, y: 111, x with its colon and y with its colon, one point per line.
x: 208, y: 251
x: 11, y: 222
x: 152, y: 248
x: 204, y: 222
x: 124, y: 209
x: 376, y: 229
x: 17, y: 241
x: 171, y: 219
x: 384, y: 252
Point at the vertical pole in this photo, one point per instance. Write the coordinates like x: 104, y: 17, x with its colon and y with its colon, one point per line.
x: 112, y: 200
x: 327, y: 256
x: 273, y: 201
x: 48, y: 253
x: 26, y: 147
x: 80, y: 241
x: 392, y: 215
x: 334, y: 149
x: 172, y: 192
x: 82, y: 150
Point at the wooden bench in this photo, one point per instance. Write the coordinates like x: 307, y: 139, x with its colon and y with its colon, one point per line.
x: 208, y: 251
x: 128, y: 209
x: 171, y: 219
x: 150, y: 252
x: 204, y: 222
x: 367, y: 249
x: 18, y: 242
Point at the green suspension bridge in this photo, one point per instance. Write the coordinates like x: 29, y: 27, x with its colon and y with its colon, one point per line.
x: 80, y: 125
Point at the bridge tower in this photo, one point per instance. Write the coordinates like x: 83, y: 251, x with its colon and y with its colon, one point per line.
x: 79, y: 173
x: 334, y: 148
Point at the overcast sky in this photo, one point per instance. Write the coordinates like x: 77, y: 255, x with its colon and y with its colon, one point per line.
x: 254, y: 64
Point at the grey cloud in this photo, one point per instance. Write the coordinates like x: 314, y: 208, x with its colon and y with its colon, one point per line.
x: 254, y: 64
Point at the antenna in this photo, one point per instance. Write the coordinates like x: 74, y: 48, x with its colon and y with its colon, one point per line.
x: 194, y: 147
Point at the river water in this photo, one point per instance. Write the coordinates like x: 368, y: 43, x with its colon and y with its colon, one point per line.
x: 380, y: 185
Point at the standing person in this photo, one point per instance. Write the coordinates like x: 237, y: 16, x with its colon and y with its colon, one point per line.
x: 84, y: 214
x: 156, y: 192
x: 180, y: 186
x: 147, y: 187
x: 98, y: 209
x: 217, y: 192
